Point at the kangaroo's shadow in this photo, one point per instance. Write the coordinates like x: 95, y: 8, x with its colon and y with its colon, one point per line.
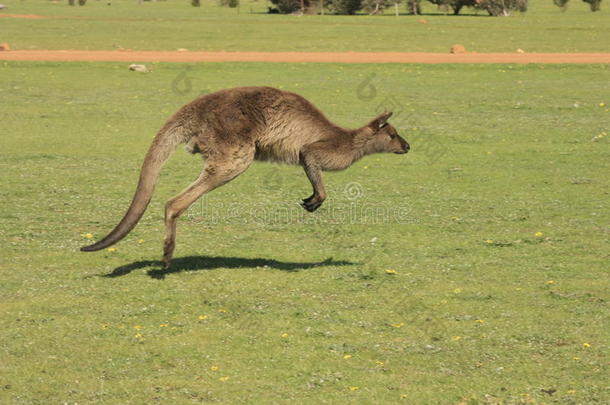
x: 196, y: 263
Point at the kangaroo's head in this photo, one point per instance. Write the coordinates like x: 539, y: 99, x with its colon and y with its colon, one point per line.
x: 382, y: 137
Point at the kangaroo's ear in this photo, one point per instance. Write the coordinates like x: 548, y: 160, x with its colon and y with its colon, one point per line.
x: 380, y: 121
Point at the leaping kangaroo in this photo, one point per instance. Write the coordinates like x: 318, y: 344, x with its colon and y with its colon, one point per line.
x: 230, y: 129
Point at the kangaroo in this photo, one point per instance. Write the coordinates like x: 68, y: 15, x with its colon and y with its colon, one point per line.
x: 232, y: 128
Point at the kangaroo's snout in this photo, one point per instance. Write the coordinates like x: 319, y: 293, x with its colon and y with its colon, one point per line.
x: 404, y: 147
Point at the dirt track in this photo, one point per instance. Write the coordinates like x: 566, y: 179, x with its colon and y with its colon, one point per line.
x: 323, y: 57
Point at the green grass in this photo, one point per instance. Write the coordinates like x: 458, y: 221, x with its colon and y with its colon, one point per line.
x: 481, y: 310
x: 171, y: 25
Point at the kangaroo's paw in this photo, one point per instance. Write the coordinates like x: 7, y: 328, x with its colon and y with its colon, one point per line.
x: 311, y: 204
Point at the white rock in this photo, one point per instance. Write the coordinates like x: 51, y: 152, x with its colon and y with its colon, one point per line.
x: 138, y: 68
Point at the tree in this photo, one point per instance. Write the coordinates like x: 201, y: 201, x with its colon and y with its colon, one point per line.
x: 287, y: 6
x: 230, y: 3
x: 414, y: 7
x: 502, y: 7
x: 344, y: 6
x: 373, y: 7
x: 493, y: 7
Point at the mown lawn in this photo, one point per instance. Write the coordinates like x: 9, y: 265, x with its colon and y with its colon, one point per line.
x: 169, y: 25
x: 472, y: 270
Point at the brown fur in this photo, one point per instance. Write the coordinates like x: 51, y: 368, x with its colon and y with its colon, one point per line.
x: 232, y: 128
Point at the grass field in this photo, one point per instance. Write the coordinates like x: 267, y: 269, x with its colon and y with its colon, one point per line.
x: 171, y: 25
x: 472, y: 270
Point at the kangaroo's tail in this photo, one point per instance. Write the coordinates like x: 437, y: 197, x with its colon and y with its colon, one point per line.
x: 166, y: 142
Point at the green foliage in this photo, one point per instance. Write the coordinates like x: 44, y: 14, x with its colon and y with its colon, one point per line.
x: 561, y: 3
x: 287, y: 6
x: 373, y: 7
x: 229, y: 3
x: 502, y: 7
x: 413, y: 6
x: 493, y: 7
x: 344, y: 6
x: 595, y: 5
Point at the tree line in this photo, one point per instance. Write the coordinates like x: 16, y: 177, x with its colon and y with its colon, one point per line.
x: 372, y: 7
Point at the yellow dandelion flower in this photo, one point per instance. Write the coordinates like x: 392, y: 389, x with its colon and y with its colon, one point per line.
x: 140, y: 240
x: 403, y: 396
x: 457, y: 291
x: 379, y: 363
x: 455, y: 338
x: 105, y: 326
x: 366, y: 167
x: 88, y: 236
x: 354, y: 388
x: 551, y: 282
x: 163, y: 325
x: 284, y: 335
x: 138, y: 336
x: 479, y: 321
x: 602, y: 104
x: 397, y: 325
x: 347, y: 356
x: 571, y: 392
x: 137, y: 327
x: 223, y: 379
x: 391, y: 272
x: 538, y: 234
x: 585, y: 345
x: 576, y: 358
x: 489, y: 241
x: 202, y: 317
x: 214, y: 368
x: 222, y: 310
x: 112, y: 249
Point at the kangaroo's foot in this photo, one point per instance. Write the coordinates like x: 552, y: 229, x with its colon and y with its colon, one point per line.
x: 168, y: 252
x: 312, y: 203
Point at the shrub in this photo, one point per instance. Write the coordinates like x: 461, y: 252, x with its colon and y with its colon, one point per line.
x: 502, y: 7
x: 287, y: 6
x: 373, y: 7
x: 229, y: 3
x: 594, y: 4
x: 493, y: 7
x: 345, y: 6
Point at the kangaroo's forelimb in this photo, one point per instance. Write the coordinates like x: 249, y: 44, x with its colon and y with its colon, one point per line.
x: 314, y: 174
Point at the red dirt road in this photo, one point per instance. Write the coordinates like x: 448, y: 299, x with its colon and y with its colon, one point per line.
x: 291, y: 57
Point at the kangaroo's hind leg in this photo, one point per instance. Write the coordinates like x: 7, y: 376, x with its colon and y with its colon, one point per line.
x: 217, y: 170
